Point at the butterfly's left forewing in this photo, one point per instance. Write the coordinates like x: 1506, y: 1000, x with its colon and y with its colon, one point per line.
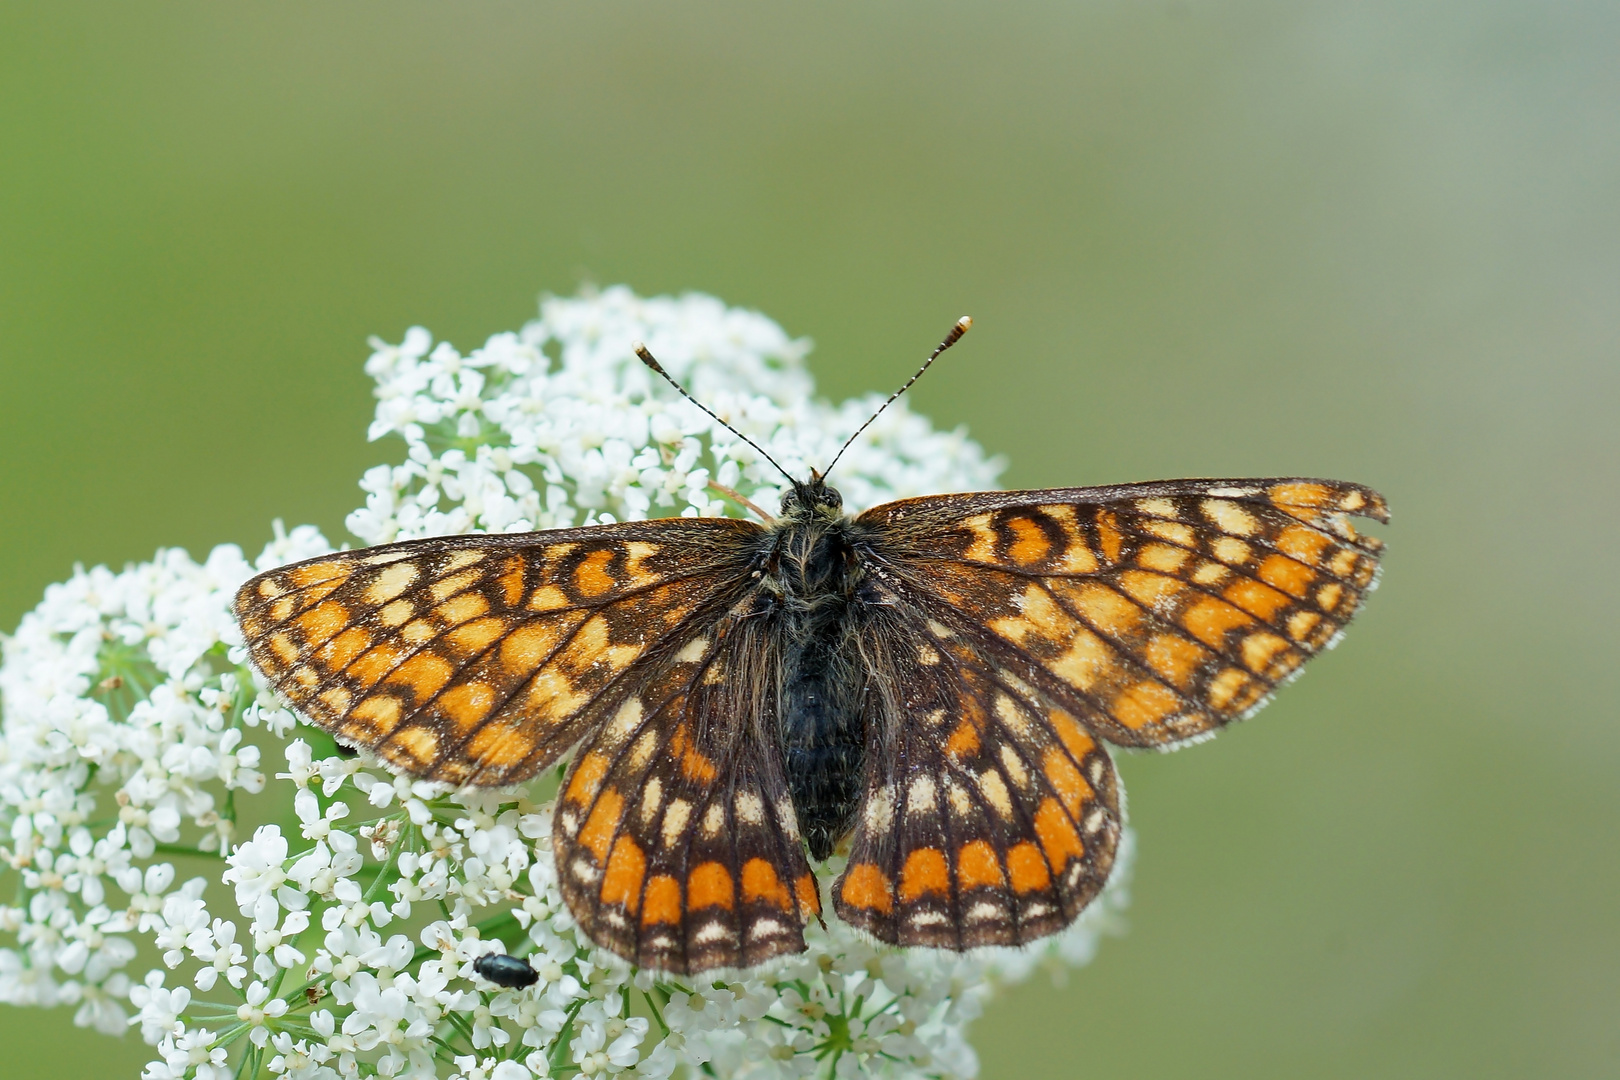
x: 481, y: 659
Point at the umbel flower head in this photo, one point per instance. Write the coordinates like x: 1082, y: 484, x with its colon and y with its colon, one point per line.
x: 182, y: 857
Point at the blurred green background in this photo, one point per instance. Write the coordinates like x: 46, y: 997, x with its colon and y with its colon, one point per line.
x: 1376, y: 241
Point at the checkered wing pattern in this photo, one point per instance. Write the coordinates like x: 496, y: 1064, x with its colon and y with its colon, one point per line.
x: 991, y: 815
x: 677, y: 844
x: 1152, y: 613
x: 482, y: 659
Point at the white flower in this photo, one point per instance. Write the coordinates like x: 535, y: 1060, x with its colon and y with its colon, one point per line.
x: 132, y: 726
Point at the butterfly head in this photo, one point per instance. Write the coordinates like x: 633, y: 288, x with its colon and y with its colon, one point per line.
x: 812, y: 499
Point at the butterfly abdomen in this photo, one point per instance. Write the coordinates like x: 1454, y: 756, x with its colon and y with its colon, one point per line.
x: 823, y: 686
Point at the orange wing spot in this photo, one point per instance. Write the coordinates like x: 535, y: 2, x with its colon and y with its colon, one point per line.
x: 306, y: 676
x: 1151, y: 590
x: 458, y: 609
x: 375, y: 663
x: 1301, y: 623
x: 380, y: 713
x: 1143, y: 704
x: 1109, y: 538
x: 1306, y: 545
x: 976, y: 866
x: 1173, y: 531
x: 637, y: 552
x: 809, y: 895
x: 1027, y: 869
x: 1057, y: 834
x: 1327, y: 597
x: 1066, y: 780
x: 1226, y: 691
x: 445, y: 588
x: 694, y: 766
x: 510, y: 581
x: 1174, y: 658
x: 552, y: 696
x: 338, y: 699
x: 983, y: 547
x: 1344, y: 563
x: 1030, y: 543
x: 591, y: 577
x: 1164, y: 558
x: 964, y: 741
x: 759, y: 882
x: 548, y: 598
x: 527, y: 647
x: 587, y: 647
x: 1210, y: 619
x: 925, y: 872
x: 472, y: 638
x: 1312, y: 495
x: 662, y: 904
x: 283, y: 609
x: 866, y: 887
x: 419, y: 742
x: 336, y: 654
x: 599, y: 828
x: 586, y: 779
x: 1261, y: 601
x: 1260, y: 648
x: 621, y: 882
x: 1075, y: 738
x: 425, y: 673
x: 315, y: 573
x: 1089, y: 661
x: 323, y: 621
x: 1106, y: 610
x: 1077, y: 559
x: 709, y: 885
x: 1286, y: 574
x: 468, y: 704
x: 395, y: 613
x: 499, y: 746
x: 418, y: 632
x: 390, y: 582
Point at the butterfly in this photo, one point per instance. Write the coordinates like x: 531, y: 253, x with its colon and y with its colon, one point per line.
x: 928, y: 686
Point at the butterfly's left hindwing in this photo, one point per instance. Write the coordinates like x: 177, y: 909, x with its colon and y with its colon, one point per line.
x: 677, y: 844
x: 481, y: 659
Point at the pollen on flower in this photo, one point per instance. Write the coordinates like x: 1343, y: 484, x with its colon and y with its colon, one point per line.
x: 337, y: 929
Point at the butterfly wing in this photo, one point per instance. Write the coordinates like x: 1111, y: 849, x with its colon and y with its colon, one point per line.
x: 482, y: 659
x: 990, y: 815
x: 676, y: 842
x: 1153, y: 613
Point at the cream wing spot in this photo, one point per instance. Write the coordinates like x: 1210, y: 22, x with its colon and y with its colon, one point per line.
x: 675, y: 819
x: 390, y: 582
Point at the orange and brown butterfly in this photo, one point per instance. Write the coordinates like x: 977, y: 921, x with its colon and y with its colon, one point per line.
x: 930, y: 682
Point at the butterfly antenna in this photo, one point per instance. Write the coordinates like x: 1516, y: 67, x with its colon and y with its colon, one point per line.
x: 652, y: 362
x: 963, y: 325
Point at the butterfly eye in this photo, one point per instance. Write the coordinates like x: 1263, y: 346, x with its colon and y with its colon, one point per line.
x: 790, y: 499
x: 832, y: 498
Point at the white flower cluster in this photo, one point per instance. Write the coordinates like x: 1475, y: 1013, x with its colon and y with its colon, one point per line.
x: 345, y: 946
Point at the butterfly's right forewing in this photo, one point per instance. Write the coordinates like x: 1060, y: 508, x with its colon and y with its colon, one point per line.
x: 1156, y: 613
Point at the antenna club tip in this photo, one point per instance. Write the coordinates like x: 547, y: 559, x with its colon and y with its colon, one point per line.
x: 638, y: 347
x: 965, y: 322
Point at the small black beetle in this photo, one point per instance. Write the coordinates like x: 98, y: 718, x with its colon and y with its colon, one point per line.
x: 504, y: 970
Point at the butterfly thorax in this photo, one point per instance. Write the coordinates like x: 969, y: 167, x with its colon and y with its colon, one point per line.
x: 811, y: 578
